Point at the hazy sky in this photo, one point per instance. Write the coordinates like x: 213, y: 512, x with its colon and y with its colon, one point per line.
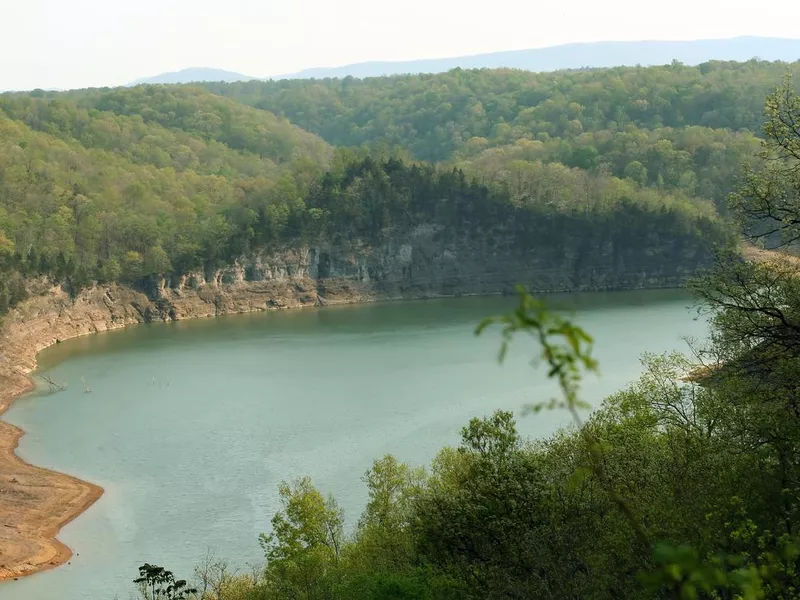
x: 79, y: 43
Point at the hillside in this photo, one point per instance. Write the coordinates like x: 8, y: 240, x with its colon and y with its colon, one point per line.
x: 186, y: 129
x: 191, y: 75
x: 435, y: 116
x: 153, y: 183
x: 675, y: 128
x: 92, y: 194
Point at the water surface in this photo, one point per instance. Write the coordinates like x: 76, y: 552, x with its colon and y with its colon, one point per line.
x: 190, y: 426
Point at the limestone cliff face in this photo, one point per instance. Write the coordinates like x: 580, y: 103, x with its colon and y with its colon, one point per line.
x: 424, y: 262
x: 427, y: 262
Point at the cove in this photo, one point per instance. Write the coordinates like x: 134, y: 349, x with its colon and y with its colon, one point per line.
x: 190, y: 426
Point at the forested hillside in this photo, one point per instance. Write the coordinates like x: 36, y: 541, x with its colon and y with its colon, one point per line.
x: 434, y: 116
x: 136, y: 184
x: 673, y: 127
x: 88, y: 194
x: 154, y: 181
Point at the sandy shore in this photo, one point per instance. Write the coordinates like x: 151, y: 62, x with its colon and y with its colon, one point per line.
x: 35, y: 503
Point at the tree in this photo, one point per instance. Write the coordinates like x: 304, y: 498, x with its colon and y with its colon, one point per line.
x: 215, y: 577
x: 768, y: 200
x: 305, y: 545
x: 384, y: 539
x: 755, y: 305
x: 636, y: 171
x: 157, y: 583
x: 6, y: 247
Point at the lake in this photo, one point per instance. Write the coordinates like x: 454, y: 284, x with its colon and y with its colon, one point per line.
x: 190, y: 426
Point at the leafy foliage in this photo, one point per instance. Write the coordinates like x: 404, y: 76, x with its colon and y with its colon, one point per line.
x: 95, y: 195
x: 157, y: 583
x: 675, y: 127
x: 435, y: 116
x: 305, y: 543
x: 768, y: 201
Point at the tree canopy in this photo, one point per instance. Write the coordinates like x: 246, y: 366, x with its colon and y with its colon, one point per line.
x: 157, y: 181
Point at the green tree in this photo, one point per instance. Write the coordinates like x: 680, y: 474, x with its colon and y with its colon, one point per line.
x: 768, y: 200
x: 636, y: 171
x: 157, y: 583
x: 305, y: 545
x: 384, y: 539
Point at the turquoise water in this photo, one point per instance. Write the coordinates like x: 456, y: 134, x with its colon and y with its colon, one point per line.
x: 190, y: 426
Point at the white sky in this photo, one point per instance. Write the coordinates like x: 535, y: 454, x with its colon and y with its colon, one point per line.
x: 80, y: 43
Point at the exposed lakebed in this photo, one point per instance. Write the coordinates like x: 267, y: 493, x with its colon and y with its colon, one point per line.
x: 190, y: 426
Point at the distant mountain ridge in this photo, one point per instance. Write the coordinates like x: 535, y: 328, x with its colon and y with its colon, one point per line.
x: 194, y: 74
x: 552, y: 58
x: 579, y: 55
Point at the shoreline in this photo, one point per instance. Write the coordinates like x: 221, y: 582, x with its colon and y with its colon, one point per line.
x: 60, y: 553
x: 41, y: 534
x: 36, y: 502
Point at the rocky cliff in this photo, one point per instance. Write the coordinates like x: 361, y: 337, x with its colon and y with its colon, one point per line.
x: 429, y: 262
x: 425, y: 262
